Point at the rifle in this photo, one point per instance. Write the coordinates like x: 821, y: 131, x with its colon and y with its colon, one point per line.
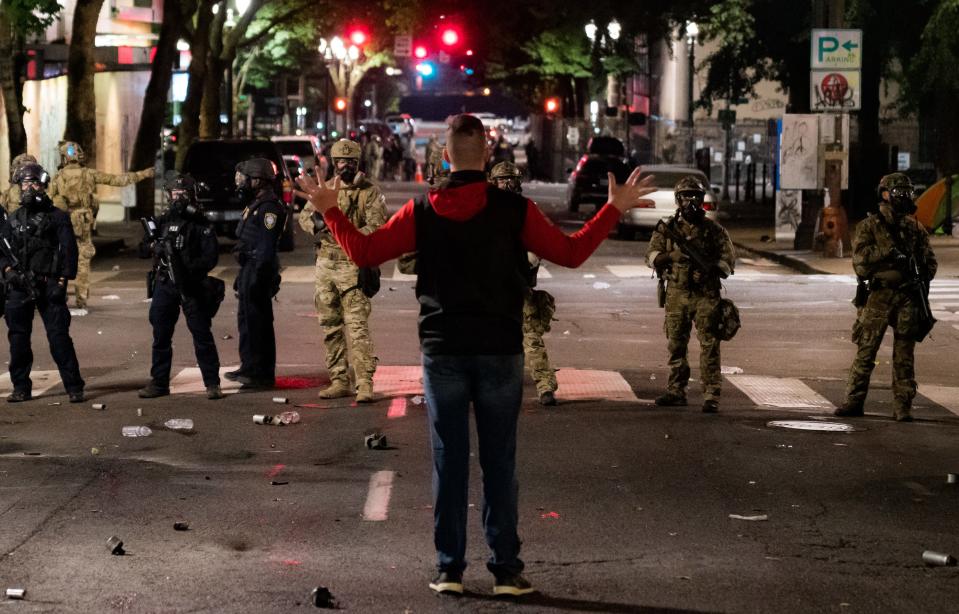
x: 916, y: 286
x: 699, y: 259
x: 26, y: 280
x: 167, y: 256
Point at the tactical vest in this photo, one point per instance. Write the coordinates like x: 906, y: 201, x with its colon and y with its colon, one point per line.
x: 251, y: 224
x: 471, y: 278
x: 35, y: 242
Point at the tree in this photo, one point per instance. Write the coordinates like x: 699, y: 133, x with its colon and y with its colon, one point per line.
x: 81, y: 96
x: 199, y: 47
x: 18, y: 19
x: 147, y: 141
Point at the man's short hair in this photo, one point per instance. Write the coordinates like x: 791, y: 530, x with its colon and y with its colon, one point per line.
x: 466, y: 139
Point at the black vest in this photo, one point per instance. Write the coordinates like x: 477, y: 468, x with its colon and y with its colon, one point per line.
x: 35, y: 241
x: 471, y: 278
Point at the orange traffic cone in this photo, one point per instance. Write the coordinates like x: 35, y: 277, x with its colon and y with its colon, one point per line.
x: 419, y: 173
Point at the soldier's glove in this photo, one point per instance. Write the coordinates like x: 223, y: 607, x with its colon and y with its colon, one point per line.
x: 661, y: 261
x: 58, y: 292
x: 899, y: 259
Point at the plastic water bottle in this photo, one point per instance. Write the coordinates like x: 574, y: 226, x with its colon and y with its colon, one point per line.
x: 179, y: 424
x: 137, y: 431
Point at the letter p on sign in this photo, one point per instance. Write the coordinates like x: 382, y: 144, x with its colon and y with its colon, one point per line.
x: 827, y: 44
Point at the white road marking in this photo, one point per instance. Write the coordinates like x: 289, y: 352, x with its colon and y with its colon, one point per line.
x: 783, y: 392
x: 378, y: 496
x: 935, y: 296
x: 190, y: 381
x: 944, y: 316
x: 629, y: 270
x: 42, y: 381
x: 947, y: 396
x: 543, y: 272
x: 298, y: 274
x: 398, y: 276
x: 218, y: 271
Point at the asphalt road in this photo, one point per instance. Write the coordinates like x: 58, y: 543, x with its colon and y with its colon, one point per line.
x: 625, y: 507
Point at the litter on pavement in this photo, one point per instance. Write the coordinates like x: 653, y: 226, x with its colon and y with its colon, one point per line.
x: 758, y: 517
x: 179, y: 424
x: 281, y: 400
x: 115, y: 545
x: 376, y: 441
x: 16, y: 593
x: 284, y: 419
x: 938, y: 559
x: 417, y: 400
x: 950, y: 478
x: 99, y: 406
x: 181, y: 526
x: 321, y: 597
x: 137, y: 431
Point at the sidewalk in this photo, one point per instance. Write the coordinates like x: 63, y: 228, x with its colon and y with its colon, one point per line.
x: 751, y: 229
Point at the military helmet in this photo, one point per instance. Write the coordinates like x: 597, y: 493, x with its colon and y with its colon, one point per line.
x: 690, y: 183
x: 345, y: 148
x: 20, y: 160
x: 181, y: 185
x: 894, y: 180
x: 71, y: 151
x: 505, y: 170
x: 257, y: 168
x: 31, y: 171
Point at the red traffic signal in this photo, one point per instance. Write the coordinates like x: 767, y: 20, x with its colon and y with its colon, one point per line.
x: 450, y: 37
x: 420, y: 52
x: 339, y: 104
x: 552, y: 105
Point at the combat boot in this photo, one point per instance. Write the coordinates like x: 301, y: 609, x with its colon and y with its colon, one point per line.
x: 849, y: 409
x: 214, y: 393
x: 152, y: 391
x: 902, y: 413
x: 671, y: 399
x: 710, y: 406
x: 547, y: 398
x: 337, y: 389
x: 364, y: 392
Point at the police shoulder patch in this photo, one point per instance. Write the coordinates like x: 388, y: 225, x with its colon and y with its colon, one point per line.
x: 269, y: 220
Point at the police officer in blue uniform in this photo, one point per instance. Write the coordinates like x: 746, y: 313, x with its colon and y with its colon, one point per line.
x: 38, y: 255
x: 185, y: 250
x: 258, y: 232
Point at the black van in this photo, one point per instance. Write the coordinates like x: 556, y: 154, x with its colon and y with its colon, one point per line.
x: 213, y: 163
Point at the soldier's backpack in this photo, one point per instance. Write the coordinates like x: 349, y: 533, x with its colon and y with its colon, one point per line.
x: 724, y: 322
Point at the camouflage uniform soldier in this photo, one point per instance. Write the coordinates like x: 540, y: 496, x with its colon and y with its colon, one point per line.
x: 538, y: 306
x: 884, y: 247
x: 692, y: 293
x: 74, y: 190
x: 10, y: 200
x: 339, y: 300
x: 434, y: 159
x: 373, y: 156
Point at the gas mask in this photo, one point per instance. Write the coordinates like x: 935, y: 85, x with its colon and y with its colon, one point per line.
x: 346, y: 168
x: 691, y: 206
x: 510, y: 184
x: 901, y: 202
x: 181, y: 204
x: 244, y: 188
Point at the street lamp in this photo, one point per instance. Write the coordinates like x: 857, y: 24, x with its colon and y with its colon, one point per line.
x: 614, y: 29
x: 692, y: 31
x: 591, y: 31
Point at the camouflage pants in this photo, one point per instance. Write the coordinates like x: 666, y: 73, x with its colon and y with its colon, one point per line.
x: 344, y: 312
x: 535, y: 324
x: 83, y: 221
x: 682, y: 310
x: 884, y: 308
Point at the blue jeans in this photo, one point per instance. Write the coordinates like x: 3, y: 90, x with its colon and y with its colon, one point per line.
x: 494, y: 384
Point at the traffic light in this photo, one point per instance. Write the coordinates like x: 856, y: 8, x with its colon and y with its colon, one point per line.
x: 340, y: 105
x: 420, y: 52
x: 450, y: 37
x: 552, y: 106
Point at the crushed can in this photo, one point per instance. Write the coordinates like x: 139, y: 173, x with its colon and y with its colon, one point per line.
x: 115, y: 545
x: 321, y: 597
x: 376, y: 441
x: 16, y: 593
x: 938, y: 559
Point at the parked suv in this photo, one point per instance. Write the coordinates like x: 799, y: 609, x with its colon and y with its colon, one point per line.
x: 213, y: 164
x: 306, y: 148
x: 588, y: 182
x: 645, y: 219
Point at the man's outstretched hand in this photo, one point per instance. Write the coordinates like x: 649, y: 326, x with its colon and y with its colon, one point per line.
x: 630, y: 194
x: 322, y: 194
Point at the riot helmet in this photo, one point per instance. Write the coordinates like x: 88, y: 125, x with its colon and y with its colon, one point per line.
x: 19, y: 161
x: 898, y: 191
x: 346, y: 159
x: 506, y: 176
x: 181, y: 196
x: 70, y: 152
x: 690, y: 193
x: 252, y: 176
x: 33, y: 182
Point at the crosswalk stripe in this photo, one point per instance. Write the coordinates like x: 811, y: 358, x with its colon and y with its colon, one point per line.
x: 628, y: 271
x: 590, y: 384
x: 397, y: 408
x: 784, y: 392
x: 944, y: 316
x: 299, y: 274
x: 543, y: 272
x: 378, y: 496
x: 947, y: 396
x: 190, y: 381
x: 42, y: 381
x: 399, y: 276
